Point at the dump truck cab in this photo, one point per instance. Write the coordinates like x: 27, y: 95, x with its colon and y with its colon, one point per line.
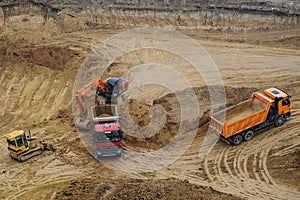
x: 107, y: 137
x: 281, y: 101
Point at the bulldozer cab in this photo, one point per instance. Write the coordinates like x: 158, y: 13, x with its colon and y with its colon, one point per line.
x: 17, y: 141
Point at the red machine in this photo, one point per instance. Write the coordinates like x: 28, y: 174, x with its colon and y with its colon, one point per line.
x: 105, y: 124
x: 110, y: 89
x: 107, y: 137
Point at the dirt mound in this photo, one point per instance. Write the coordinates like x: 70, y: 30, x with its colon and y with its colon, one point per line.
x: 105, y: 115
x: 139, y: 112
x: 140, y: 189
x: 51, y: 57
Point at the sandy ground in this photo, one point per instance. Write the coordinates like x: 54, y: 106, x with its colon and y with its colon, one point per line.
x: 37, y: 75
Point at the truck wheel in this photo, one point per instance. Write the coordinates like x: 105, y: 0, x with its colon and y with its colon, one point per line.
x: 279, y: 121
x: 237, y: 139
x: 248, y: 135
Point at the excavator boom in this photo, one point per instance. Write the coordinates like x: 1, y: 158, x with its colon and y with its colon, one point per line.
x: 96, y: 84
x: 102, y: 88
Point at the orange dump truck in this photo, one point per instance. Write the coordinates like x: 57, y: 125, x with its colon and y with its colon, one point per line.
x: 263, y: 110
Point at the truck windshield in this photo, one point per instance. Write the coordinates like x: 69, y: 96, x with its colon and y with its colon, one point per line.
x: 113, y: 136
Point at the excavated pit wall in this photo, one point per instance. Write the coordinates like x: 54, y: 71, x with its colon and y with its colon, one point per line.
x: 230, y: 16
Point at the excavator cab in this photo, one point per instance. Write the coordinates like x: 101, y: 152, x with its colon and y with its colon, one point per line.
x: 114, y: 87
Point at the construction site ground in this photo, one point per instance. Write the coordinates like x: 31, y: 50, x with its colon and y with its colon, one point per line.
x: 38, y: 69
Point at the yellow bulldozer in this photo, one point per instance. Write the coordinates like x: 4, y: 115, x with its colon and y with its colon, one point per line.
x: 23, y: 147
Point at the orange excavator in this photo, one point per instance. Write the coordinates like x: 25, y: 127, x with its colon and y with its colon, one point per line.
x: 110, y: 89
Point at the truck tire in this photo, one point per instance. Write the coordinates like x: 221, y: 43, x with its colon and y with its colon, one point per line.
x: 237, y: 140
x: 279, y: 121
x: 248, y: 135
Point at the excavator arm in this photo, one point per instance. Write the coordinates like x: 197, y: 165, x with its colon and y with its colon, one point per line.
x: 97, y: 85
x: 103, y: 88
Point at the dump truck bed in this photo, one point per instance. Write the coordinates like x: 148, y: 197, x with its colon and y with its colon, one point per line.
x: 97, y: 113
x: 104, y: 111
x: 240, y: 111
x: 239, y: 117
